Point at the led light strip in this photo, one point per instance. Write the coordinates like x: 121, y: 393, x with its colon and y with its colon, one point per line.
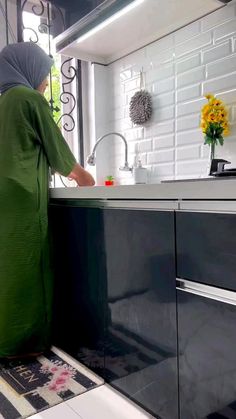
x: 111, y: 19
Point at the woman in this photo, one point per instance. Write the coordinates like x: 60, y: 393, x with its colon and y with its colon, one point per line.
x: 30, y: 143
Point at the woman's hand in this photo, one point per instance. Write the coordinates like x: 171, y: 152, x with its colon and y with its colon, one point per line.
x: 81, y: 176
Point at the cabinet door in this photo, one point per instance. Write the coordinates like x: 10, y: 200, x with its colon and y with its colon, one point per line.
x: 206, y: 248
x: 207, y: 354
x: 141, y: 343
x: 77, y: 239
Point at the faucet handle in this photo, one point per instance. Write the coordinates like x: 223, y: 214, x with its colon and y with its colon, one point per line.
x: 91, y: 159
x: 126, y: 167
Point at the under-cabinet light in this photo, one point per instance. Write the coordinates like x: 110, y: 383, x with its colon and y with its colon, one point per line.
x: 111, y: 19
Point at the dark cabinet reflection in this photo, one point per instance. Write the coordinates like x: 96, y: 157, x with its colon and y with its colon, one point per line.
x: 141, y: 342
x: 207, y: 358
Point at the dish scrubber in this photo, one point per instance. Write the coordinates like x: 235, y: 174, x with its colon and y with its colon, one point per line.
x: 140, y: 108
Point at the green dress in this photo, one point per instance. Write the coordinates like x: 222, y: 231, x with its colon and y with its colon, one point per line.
x: 30, y: 143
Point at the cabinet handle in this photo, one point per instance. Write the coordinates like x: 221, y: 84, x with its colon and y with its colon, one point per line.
x: 196, y: 288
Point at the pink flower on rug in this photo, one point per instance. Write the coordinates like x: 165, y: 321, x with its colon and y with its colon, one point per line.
x: 60, y: 380
x: 53, y: 369
x: 60, y: 376
x: 66, y: 373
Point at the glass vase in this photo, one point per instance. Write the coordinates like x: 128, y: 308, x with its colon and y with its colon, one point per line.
x: 212, y: 155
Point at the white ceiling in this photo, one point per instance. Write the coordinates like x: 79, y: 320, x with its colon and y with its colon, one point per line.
x: 147, y: 22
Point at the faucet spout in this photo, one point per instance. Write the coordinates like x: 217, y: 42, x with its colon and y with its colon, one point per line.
x: 91, y: 160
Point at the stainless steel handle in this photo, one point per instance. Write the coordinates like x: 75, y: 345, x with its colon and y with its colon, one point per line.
x: 141, y: 205
x: 206, y: 291
x: 208, y: 206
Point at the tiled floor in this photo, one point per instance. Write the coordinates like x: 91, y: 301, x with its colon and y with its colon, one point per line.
x: 101, y: 403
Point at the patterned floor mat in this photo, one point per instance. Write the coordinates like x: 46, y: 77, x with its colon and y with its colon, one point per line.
x: 29, y: 386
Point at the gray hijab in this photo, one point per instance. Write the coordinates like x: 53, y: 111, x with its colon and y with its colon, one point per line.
x: 23, y: 64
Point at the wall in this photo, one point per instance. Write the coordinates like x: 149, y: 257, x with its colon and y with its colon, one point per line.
x: 179, y: 70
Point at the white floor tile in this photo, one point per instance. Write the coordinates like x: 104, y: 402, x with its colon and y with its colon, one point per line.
x: 105, y: 403
x: 61, y: 411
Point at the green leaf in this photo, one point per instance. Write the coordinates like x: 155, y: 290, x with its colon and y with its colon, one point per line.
x: 221, y: 140
x: 208, y: 140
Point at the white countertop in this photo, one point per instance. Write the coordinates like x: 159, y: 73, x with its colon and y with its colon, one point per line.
x: 209, y: 189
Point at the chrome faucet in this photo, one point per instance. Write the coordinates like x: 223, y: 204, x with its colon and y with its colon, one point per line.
x: 91, y: 160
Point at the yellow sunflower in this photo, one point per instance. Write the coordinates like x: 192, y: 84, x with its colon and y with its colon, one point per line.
x: 212, y: 117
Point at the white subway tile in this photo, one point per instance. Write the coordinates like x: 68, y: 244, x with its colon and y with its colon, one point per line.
x: 163, y: 86
x: 159, y: 73
x: 190, y: 107
x: 134, y: 134
x: 126, y: 124
x: 233, y: 113
x: 189, y: 137
x: 188, y: 153
x: 188, y: 123
x: 218, y: 17
x: 163, y: 44
x: 163, y: 170
x: 205, y: 151
x: 144, y: 146
x: 191, y: 168
x: 160, y: 157
x: 143, y: 158
x: 230, y: 114
x: 193, y: 44
x: 132, y: 84
x: 129, y: 95
x: 223, y: 83
x: 126, y: 112
x: 144, y: 65
x: 125, y: 75
x: 163, y: 100
x: 190, y: 77
x: 222, y: 67
x: 132, y: 147
x: 186, y: 65
x: 188, y: 93
x: 216, y: 53
x: 167, y: 141
x: 161, y: 114
x: 228, y: 97
x: 187, y: 32
x: 162, y: 57
x: 227, y: 29
x: 152, y: 130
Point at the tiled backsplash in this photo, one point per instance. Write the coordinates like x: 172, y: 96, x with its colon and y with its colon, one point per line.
x: 179, y: 69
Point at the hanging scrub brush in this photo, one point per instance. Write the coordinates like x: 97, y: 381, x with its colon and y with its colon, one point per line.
x: 140, y: 108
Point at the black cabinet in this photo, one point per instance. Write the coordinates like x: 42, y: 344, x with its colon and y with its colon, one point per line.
x: 207, y: 353
x: 206, y: 248
x: 141, y: 342
x: 80, y: 283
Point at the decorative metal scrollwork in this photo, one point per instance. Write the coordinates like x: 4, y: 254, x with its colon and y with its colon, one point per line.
x: 66, y: 97
x: 37, y: 10
x: 48, y: 14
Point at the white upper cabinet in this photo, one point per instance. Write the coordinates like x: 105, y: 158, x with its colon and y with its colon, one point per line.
x: 119, y: 27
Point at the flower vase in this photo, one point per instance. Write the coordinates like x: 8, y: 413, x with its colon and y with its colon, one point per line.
x: 212, y: 153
